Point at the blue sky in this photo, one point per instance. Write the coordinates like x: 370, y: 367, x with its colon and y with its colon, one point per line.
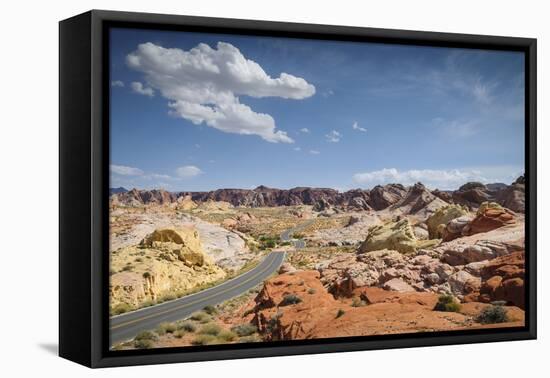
x: 196, y: 111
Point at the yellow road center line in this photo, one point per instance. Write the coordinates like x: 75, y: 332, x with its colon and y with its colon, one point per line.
x: 196, y: 301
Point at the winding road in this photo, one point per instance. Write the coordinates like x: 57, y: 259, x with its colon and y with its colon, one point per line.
x: 126, y: 326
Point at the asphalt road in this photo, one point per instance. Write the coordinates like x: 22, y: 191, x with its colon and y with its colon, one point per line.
x: 287, y: 235
x: 126, y: 326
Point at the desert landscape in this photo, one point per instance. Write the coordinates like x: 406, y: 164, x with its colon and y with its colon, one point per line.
x: 393, y: 259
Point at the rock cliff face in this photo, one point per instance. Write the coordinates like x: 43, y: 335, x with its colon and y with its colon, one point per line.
x: 165, y: 263
x: 409, y: 200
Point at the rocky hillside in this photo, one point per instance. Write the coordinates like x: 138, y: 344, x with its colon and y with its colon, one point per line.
x: 407, y: 200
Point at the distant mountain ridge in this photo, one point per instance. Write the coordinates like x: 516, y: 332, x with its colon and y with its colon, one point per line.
x: 378, y: 198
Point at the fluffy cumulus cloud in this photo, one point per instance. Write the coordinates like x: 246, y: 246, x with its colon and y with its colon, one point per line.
x: 139, y: 88
x: 125, y: 170
x: 188, y: 171
x: 356, y: 126
x: 304, y: 130
x: 432, y: 178
x: 203, y: 86
x: 333, y: 136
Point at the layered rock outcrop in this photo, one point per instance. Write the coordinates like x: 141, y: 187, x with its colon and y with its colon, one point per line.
x: 165, y: 263
x: 397, y: 236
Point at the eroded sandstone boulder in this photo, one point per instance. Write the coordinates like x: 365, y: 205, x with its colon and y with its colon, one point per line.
x: 438, y: 221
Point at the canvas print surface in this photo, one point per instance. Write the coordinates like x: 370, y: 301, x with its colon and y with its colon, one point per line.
x: 267, y: 189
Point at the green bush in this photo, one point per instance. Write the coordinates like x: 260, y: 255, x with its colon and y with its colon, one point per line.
x: 210, y: 310
x: 311, y: 290
x: 164, y: 328
x: 493, y: 314
x: 145, y: 335
x: 204, y: 340
x: 143, y: 344
x: 290, y: 299
x: 187, y: 326
x: 146, y: 274
x: 210, y: 329
x: 121, y: 308
x: 340, y: 313
x: 202, y: 317
x: 447, y: 303
x: 179, y: 333
x: 246, y: 329
x: 227, y: 336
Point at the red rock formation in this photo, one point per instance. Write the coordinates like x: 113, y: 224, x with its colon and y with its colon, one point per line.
x: 489, y: 218
x: 503, y: 280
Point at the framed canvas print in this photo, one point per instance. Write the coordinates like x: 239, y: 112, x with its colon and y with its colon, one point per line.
x: 233, y: 188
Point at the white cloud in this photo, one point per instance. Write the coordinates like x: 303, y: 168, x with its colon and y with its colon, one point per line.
x: 328, y: 93
x: 139, y: 88
x: 203, y: 85
x: 356, y: 126
x: 305, y: 130
x: 314, y: 152
x: 438, y: 178
x: 117, y: 83
x: 297, y: 149
x: 188, y: 171
x: 333, y: 136
x: 125, y: 171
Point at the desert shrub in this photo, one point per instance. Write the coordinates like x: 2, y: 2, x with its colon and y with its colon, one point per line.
x: 447, y: 303
x: 493, y: 314
x: 202, y: 317
x: 246, y: 329
x: 187, y: 326
x: 340, y: 313
x: 311, y: 290
x: 301, y: 283
x: 179, y: 333
x: 146, y: 274
x: 145, y: 335
x: 250, y: 339
x: 121, y: 308
x: 127, y: 268
x: 358, y: 302
x: 227, y: 336
x: 169, y: 297
x: 290, y: 299
x: 139, y: 259
x: 164, y: 328
x: 148, y: 303
x: 143, y: 344
x: 210, y: 329
x: 210, y: 310
x: 204, y: 340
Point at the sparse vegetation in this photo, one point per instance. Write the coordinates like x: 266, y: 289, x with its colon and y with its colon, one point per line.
x: 146, y: 275
x: 204, y: 340
x: 145, y: 335
x: 121, y: 308
x: 201, y: 317
x: 143, y: 344
x: 227, y: 336
x: 246, y: 329
x: 447, y: 303
x: 340, y: 313
x: 127, y: 268
x: 187, y: 326
x: 250, y: 339
x: 311, y: 290
x: 210, y: 310
x: 210, y: 329
x: 493, y: 314
x: 165, y: 328
x: 290, y: 299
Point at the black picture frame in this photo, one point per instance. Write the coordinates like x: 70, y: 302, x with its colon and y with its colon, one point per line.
x: 84, y: 192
